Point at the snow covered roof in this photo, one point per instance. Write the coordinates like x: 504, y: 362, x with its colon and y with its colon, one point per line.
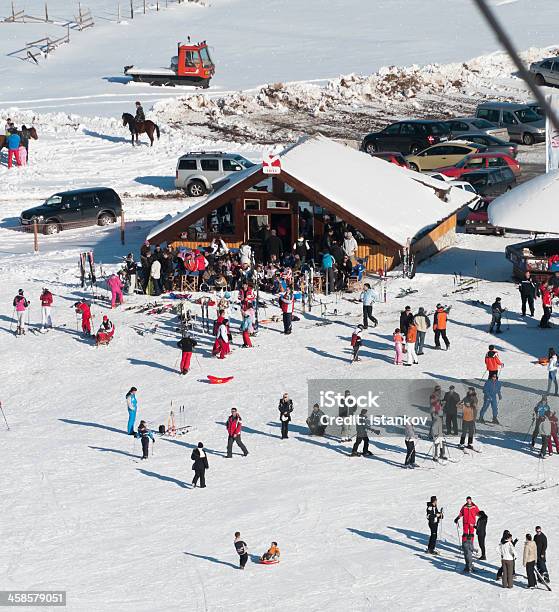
x: 231, y: 181
x: 531, y: 206
x: 397, y: 202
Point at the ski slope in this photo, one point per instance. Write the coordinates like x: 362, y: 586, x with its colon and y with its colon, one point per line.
x: 252, y: 43
x: 82, y: 514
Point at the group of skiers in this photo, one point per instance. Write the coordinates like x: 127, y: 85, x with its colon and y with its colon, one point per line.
x: 474, y: 522
x: 409, y: 337
x: 21, y: 308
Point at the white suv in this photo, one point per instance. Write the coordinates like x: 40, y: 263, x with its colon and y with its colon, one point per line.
x: 198, y: 171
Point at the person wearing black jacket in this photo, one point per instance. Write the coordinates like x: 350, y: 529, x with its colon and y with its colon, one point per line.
x: 434, y: 516
x: 200, y: 465
x: 285, y: 409
x: 481, y: 527
x: 406, y: 319
x: 541, y: 544
x: 274, y: 246
x: 528, y: 291
x: 451, y: 400
x: 186, y: 345
x: 166, y: 271
x: 241, y: 548
x: 496, y: 314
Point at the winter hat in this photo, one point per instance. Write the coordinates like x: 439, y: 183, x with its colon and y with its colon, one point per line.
x: 200, y: 445
x: 497, y: 299
x: 491, y: 347
x: 439, y: 306
x: 105, y: 318
x: 20, y: 291
x: 407, y: 308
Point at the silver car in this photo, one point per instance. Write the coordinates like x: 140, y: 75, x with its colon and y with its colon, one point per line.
x: 522, y: 123
x: 198, y: 171
x: 475, y: 125
x: 546, y: 71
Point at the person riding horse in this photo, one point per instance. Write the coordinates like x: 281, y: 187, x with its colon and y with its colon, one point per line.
x: 140, y: 116
x: 138, y: 124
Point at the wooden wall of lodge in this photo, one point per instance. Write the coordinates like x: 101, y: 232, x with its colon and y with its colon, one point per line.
x: 373, y: 254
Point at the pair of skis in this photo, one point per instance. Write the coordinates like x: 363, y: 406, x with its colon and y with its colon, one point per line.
x: 172, y: 429
x: 87, y: 260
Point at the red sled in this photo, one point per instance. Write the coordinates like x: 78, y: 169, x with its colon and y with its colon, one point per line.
x: 217, y: 380
x: 269, y: 561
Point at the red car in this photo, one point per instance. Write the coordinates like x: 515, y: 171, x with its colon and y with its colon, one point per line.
x: 481, y: 161
x: 393, y: 157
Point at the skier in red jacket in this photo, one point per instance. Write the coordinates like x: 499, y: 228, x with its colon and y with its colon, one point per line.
x: 468, y: 514
x: 83, y: 309
x: 234, y: 425
x: 547, y: 302
x: 46, y: 305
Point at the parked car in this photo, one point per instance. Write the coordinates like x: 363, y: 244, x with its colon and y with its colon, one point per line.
x: 546, y: 71
x: 408, y: 137
x: 492, y: 144
x: 393, y: 157
x: 89, y: 206
x: 475, y: 125
x: 441, y: 156
x: 437, y: 175
x: 492, y: 182
x: 198, y: 171
x: 481, y: 161
x: 477, y: 221
x: 463, y: 213
x: 522, y: 123
x: 536, y: 107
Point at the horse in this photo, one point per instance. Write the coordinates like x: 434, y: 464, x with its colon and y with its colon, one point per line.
x: 31, y: 132
x: 140, y: 127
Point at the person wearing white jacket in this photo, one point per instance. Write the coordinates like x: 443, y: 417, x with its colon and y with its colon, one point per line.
x: 508, y: 555
x: 552, y: 371
x: 349, y: 245
x: 246, y: 254
x: 155, y: 273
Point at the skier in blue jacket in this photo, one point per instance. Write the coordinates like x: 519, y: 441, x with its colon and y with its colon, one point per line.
x: 13, y: 141
x: 132, y: 404
x: 491, y: 391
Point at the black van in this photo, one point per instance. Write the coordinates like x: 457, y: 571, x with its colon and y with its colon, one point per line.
x: 94, y: 205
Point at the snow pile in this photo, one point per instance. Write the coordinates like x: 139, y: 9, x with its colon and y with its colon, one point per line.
x: 391, y: 84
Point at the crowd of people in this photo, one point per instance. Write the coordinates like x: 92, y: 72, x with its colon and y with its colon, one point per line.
x: 474, y: 523
x: 17, y: 142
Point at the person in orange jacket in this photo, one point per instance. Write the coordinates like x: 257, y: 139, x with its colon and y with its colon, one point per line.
x: 439, y: 326
x: 272, y: 553
x: 411, y: 337
x: 493, y: 363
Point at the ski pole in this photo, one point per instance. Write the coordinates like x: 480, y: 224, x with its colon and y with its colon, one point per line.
x: 197, y: 361
x: 5, y: 420
x: 13, y: 318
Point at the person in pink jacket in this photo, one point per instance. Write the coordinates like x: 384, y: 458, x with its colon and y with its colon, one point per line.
x: 115, y: 287
x: 398, y: 346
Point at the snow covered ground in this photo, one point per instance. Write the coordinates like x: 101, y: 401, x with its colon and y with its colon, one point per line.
x: 252, y: 43
x: 81, y: 514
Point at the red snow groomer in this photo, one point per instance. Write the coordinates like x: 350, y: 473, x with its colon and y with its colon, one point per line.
x: 192, y: 66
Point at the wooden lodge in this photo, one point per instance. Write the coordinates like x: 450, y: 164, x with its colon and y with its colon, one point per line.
x: 320, y: 183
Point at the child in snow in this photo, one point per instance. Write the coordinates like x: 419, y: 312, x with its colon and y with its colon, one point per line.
x: 105, y: 332
x: 246, y: 325
x: 145, y: 435
x: 356, y: 341
x: 22, y: 155
x: 398, y: 346
x: 272, y: 553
